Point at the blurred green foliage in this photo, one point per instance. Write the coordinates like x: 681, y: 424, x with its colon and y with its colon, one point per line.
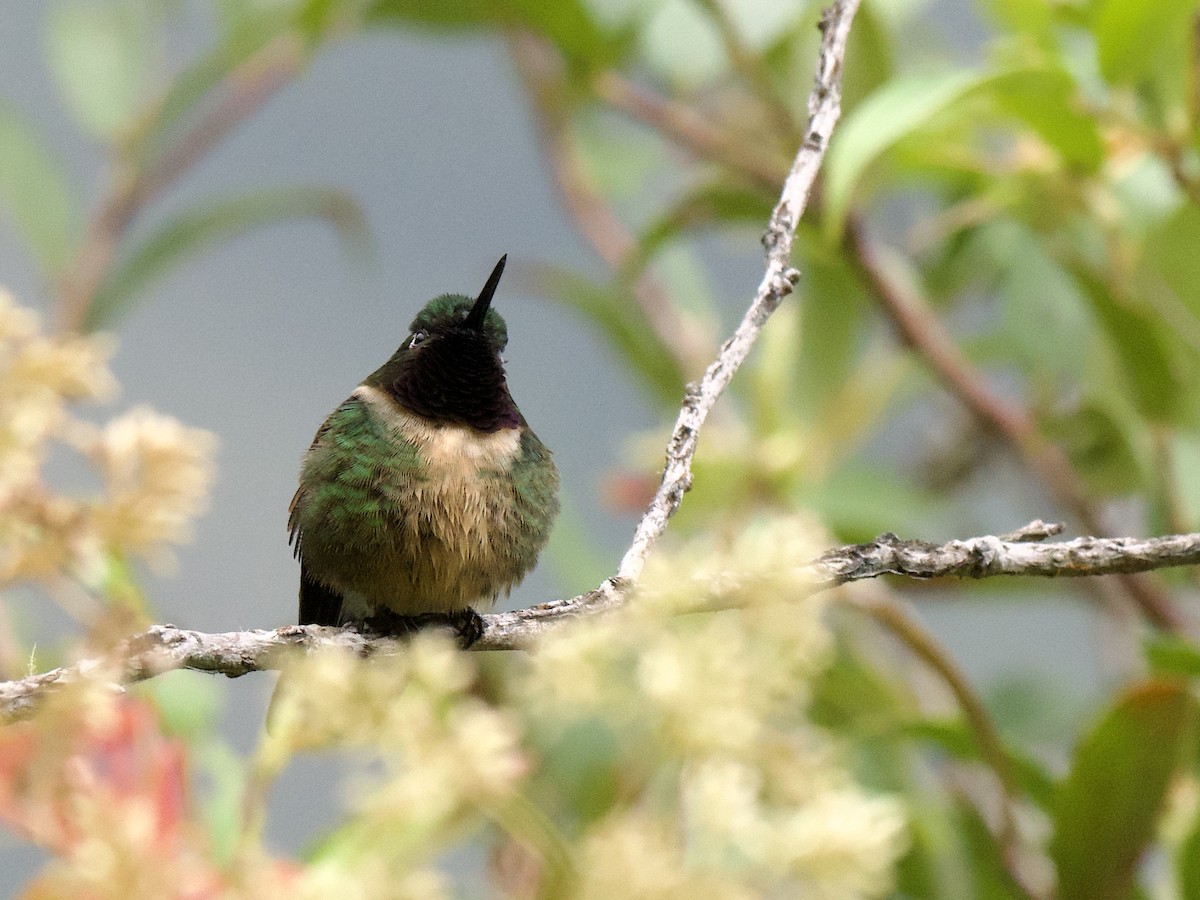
x: 1034, y: 185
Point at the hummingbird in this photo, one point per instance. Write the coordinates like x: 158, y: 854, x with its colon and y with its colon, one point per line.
x: 426, y: 493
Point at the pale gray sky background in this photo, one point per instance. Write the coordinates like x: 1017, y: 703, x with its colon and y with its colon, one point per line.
x: 259, y: 340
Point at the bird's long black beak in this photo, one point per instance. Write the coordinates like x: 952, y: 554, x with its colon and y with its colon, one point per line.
x: 479, y: 311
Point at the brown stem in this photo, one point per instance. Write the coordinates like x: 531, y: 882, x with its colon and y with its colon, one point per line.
x: 920, y: 329
x: 909, y: 631
x: 540, y: 70
x: 245, y: 90
x: 687, y: 127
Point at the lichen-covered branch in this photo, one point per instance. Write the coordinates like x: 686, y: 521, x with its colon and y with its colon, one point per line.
x: 165, y: 647
x: 983, y: 557
x: 824, y: 109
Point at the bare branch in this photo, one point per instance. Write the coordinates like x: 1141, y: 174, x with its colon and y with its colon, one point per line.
x: 984, y: 557
x: 165, y: 647
x: 824, y: 109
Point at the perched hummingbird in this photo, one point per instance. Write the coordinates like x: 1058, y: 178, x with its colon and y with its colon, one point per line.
x: 425, y: 492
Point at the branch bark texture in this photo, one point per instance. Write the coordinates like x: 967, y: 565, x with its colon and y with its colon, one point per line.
x: 163, y: 648
x: 824, y: 109
x: 235, y: 653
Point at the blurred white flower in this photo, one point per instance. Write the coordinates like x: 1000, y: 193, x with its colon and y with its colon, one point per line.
x: 710, y: 708
x: 156, y: 473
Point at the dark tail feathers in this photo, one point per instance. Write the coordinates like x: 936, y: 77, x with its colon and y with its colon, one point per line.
x: 319, y: 604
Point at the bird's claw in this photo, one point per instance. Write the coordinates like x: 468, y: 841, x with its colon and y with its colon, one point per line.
x: 466, y: 624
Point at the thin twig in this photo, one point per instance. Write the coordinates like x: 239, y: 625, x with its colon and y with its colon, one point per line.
x: 165, y: 647
x: 986, y: 557
x: 824, y: 109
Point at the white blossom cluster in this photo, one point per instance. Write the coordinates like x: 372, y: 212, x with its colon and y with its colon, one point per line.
x: 692, y: 698
x: 438, y: 757
x: 731, y: 791
x: 154, y: 473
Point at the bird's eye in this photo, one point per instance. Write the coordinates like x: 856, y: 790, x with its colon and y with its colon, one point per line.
x: 417, y: 338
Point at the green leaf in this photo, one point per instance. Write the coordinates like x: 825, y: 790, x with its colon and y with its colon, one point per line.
x: 567, y: 23
x: 1146, y: 192
x: 224, y: 774
x: 1170, y: 264
x: 1034, y: 17
x: 1148, y: 351
x: 187, y: 702
x: 853, y: 697
x: 712, y: 203
x: 1099, y: 446
x: 992, y: 879
x: 622, y: 323
x: 198, y: 230
x: 1109, y: 803
x: 1044, y: 98
x: 1188, y: 862
x: 1131, y: 35
x: 901, y: 107
x: 870, y: 56
x: 682, y: 44
x: 1044, y: 311
x: 859, y: 501
x: 764, y: 23
x: 832, y: 313
x: 100, y: 55
x: 938, y: 864
x: 581, y: 764
x: 1171, y: 655
x: 1184, y: 453
x: 465, y: 14
x: 34, y: 189
x: 196, y: 82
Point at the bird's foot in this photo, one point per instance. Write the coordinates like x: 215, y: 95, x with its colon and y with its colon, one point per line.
x: 386, y: 623
x: 465, y: 623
